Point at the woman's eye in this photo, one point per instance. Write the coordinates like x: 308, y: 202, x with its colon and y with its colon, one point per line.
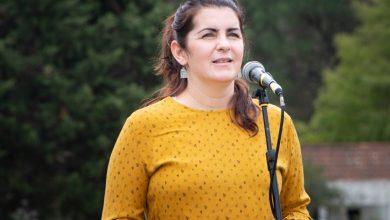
x: 208, y: 35
x: 235, y: 35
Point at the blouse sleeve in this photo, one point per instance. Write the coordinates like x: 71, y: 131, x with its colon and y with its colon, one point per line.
x: 127, y: 179
x: 294, y: 199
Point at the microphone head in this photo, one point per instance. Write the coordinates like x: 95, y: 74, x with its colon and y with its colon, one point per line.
x: 249, y: 67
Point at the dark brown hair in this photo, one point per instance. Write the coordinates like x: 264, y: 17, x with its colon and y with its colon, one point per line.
x: 243, y: 111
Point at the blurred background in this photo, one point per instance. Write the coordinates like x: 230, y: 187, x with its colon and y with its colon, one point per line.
x: 71, y: 71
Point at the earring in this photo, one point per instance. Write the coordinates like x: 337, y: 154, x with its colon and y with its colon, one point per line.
x: 183, y: 73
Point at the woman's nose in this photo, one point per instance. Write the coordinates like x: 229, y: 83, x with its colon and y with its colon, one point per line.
x: 223, y: 44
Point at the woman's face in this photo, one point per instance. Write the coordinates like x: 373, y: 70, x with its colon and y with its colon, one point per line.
x: 215, y: 46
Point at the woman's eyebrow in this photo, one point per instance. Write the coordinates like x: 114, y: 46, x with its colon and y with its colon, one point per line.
x: 233, y: 29
x: 216, y: 30
x: 208, y: 29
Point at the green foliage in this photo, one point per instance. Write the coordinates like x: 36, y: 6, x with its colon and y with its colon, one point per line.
x: 352, y: 105
x: 70, y: 72
x: 294, y: 41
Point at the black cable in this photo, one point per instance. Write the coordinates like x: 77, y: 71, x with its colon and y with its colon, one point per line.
x: 273, y: 170
x: 279, y: 138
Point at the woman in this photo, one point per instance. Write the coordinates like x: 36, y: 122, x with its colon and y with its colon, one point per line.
x: 196, y: 150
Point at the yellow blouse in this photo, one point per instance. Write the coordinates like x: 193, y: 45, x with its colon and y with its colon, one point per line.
x: 174, y: 162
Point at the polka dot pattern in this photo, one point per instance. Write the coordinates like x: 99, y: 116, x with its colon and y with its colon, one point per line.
x: 174, y: 162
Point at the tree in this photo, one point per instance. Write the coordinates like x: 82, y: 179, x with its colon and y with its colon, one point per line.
x: 352, y: 105
x: 294, y: 41
x: 70, y: 73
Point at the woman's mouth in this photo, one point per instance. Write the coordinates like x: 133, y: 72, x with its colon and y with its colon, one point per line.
x: 223, y: 60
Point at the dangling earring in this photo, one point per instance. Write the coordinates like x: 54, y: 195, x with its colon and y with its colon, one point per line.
x: 183, y: 73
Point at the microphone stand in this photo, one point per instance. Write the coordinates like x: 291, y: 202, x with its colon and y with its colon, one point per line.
x: 261, y: 93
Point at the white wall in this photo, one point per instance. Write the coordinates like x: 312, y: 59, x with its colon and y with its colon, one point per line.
x: 371, y: 197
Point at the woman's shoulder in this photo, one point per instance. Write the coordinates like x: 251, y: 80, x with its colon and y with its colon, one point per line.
x: 152, y: 113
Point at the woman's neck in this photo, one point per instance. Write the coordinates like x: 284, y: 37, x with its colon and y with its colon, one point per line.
x: 207, y: 97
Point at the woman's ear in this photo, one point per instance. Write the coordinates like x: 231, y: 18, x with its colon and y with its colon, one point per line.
x: 179, y: 53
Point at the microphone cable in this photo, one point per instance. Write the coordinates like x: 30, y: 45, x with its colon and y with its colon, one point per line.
x: 273, y: 170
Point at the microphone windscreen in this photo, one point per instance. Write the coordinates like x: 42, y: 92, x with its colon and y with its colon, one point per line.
x: 249, y: 67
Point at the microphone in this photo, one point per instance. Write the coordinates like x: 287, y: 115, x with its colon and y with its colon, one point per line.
x: 254, y: 72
